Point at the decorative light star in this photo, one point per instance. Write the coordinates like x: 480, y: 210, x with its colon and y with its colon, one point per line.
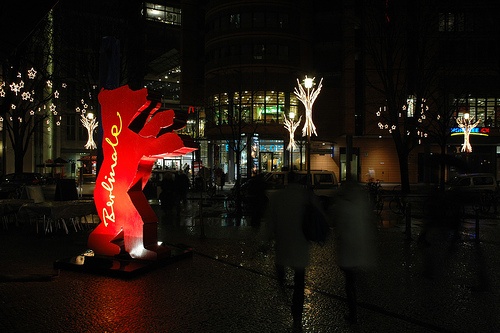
x: 32, y: 73
x: 49, y: 83
x: 25, y: 96
x: 14, y: 87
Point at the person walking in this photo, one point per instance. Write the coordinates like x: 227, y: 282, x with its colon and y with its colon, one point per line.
x: 283, y: 223
x: 354, y: 229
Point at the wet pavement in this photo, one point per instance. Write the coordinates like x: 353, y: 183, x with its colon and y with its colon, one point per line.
x: 228, y: 284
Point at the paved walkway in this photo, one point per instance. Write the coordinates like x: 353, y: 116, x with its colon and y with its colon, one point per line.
x: 229, y: 286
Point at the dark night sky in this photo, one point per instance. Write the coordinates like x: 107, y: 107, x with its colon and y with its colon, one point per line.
x: 17, y: 20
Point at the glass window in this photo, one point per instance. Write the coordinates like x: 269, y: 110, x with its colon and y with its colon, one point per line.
x: 283, y: 52
x: 259, y: 20
x: 258, y: 106
x: 235, y: 21
x: 283, y: 20
x: 163, y: 14
x: 281, y: 106
x: 246, y: 106
x: 453, y: 22
x: 82, y: 131
x: 272, y: 51
x: 294, y: 102
x: 271, y: 20
x: 71, y: 127
x: 258, y: 51
x: 234, y: 50
x: 271, y: 110
x: 246, y: 20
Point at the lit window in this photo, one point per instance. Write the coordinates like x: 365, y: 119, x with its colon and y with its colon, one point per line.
x: 453, y: 22
x: 163, y: 14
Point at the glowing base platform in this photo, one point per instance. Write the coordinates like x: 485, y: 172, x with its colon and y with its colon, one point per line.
x: 124, y: 267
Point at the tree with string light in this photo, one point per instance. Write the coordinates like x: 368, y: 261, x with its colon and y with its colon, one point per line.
x: 28, y: 103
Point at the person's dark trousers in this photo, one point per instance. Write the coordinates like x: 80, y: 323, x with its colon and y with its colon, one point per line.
x: 350, y: 290
x: 280, y: 272
x: 298, y: 295
x: 298, y: 291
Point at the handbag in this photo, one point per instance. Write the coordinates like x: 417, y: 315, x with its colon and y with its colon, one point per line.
x: 314, y: 224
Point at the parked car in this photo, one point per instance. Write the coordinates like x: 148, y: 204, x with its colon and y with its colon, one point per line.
x: 13, y: 183
x: 473, y: 182
x: 480, y: 189
x: 323, y: 182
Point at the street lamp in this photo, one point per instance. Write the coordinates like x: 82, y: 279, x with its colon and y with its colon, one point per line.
x: 467, y: 124
x: 291, y: 126
x: 307, y: 97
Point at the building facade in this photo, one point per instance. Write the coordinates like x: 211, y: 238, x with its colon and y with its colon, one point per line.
x: 395, y: 78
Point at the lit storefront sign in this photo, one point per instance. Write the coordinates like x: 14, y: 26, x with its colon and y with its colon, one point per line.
x: 136, y: 132
x: 474, y: 131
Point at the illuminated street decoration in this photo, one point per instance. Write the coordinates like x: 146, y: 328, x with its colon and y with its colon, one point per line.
x: 307, y: 97
x: 136, y: 132
x: 467, y: 124
x: 90, y: 123
x: 291, y: 126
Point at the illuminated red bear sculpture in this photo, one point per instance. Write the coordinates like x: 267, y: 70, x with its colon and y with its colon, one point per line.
x: 136, y: 132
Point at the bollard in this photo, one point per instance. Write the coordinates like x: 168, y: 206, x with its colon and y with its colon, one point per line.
x: 477, y: 226
x: 408, y: 221
x: 202, y: 225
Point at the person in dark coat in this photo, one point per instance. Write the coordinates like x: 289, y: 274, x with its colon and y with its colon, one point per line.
x: 283, y: 223
x: 354, y: 228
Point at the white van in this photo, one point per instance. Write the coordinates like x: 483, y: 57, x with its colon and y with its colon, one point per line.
x: 473, y: 182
